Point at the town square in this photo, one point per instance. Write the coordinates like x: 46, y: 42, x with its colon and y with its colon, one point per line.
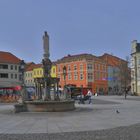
x: 69, y: 70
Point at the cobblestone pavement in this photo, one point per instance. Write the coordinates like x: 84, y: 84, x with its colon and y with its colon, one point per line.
x: 98, y: 120
x: 120, y: 133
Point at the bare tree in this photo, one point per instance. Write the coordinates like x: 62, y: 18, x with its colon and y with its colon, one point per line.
x: 124, y: 74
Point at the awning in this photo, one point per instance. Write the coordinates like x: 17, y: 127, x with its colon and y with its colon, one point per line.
x: 11, y: 88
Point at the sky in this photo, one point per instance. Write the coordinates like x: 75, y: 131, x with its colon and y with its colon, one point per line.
x: 74, y: 27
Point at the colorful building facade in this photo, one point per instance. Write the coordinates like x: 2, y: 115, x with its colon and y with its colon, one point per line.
x: 38, y: 71
x: 28, y: 75
x: 9, y: 70
x: 83, y: 70
x: 118, y: 73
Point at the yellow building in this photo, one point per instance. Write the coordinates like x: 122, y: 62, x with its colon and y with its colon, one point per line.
x: 28, y: 75
x: 38, y: 71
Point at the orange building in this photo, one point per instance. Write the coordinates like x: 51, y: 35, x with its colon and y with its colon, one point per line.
x: 84, y: 70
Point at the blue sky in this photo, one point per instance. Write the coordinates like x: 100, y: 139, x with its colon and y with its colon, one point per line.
x: 74, y: 27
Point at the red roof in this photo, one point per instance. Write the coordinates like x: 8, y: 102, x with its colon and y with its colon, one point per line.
x: 7, y: 57
x: 32, y: 66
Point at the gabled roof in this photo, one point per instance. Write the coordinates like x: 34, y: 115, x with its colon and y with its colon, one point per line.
x: 33, y: 66
x: 76, y: 57
x: 112, y: 60
x: 79, y: 57
x: 7, y: 57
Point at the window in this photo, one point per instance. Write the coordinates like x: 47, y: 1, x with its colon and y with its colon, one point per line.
x: 98, y: 66
x: 15, y: 67
x: 81, y: 76
x: 81, y: 67
x: 89, y: 66
x: 139, y: 73
x: 19, y: 68
x: 2, y: 66
x: 90, y: 76
x: 59, y: 77
x: 98, y: 75
x: 75, y: 67
x: 11, y: 67
x: 15, y: 76
x: 103, y: 68
x: 75, y: 76
x: 20, y: 77
x: 69, y: 76
x: 59, y: 69
x: 53, y: 70
x: 38, y: 72
x: 139, y: 61
x: 104, y: 76
x: 11, y: 76
x: 3, y: 75
x: 69, y: 69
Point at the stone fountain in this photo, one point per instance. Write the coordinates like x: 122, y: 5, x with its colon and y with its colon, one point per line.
x: 44, y: 102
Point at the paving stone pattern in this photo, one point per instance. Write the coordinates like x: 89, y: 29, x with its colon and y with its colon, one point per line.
x: 96, y: 121
x: 121, y: 133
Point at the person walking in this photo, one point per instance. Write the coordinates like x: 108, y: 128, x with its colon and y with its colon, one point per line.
x: 125, y: 92
x: 89, y: 95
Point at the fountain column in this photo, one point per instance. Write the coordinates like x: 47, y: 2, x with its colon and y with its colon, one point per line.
x: 46, y: 66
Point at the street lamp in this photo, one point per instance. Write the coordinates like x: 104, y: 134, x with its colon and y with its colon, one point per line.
x: 64, y: 74
x: 22, y: 69
x: 133, y: 88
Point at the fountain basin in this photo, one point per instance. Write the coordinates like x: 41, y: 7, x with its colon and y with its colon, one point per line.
x: 50, y: 106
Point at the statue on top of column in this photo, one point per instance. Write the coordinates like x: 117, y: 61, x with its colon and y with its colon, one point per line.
x: 46, y: 45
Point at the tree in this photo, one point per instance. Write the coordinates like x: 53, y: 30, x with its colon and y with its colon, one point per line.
x: 124, y: 73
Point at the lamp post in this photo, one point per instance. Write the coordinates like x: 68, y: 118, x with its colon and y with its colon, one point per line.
x: 22, y: 69
x: 64, y: 74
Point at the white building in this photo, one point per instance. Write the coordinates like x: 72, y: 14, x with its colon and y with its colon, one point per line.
x: 9, y: 70
x: 135, y: 68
